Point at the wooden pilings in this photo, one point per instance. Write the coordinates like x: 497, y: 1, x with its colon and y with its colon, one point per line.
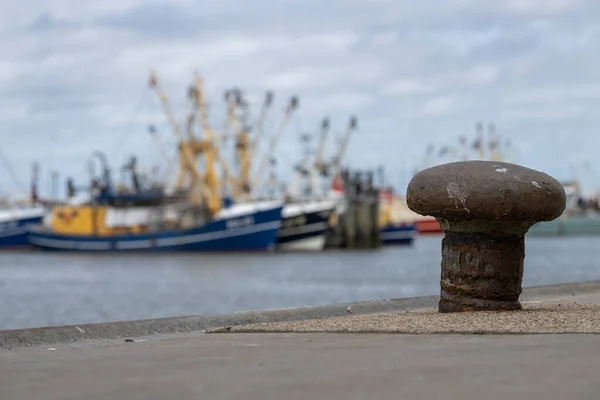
x: 357, y: 226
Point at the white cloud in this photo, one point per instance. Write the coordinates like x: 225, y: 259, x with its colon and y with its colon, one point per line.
x: 482, y: 74
x: 323, y: 77
x: 542, y: 113
x: 348, y: 102
x: 556, y: 94
x: 441, y: 105
x: 402, y: 87
x: 385, y: 39
x: 423, y: 71
x: 538, y: 7
x: 12, y: 112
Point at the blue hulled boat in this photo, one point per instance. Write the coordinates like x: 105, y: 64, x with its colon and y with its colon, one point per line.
x: 305, y: 226
x: 14, y: 224
x: 235, y: 229
x: 396, y: 227
x: 145, y: 218
x: 398, y: 234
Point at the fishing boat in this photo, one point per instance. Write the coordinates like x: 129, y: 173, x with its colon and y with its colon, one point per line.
x: 311, y: 206
x: 18, y: 214
x: 136, y: 218
x: 402, y: 233
x: 15, y: 221
x: 396, y: 226
x: 147, y: 219
x: 100, y: 228
x: 427, y: 225
x: 304, y: 225
x: 305, y: 216
x: 580, y: 218
x: 568, y: 225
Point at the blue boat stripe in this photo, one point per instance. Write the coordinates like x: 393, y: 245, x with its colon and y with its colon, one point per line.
x: 17, y: 230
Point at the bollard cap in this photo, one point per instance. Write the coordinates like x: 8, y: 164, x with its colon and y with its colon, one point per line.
x: 486, y: 190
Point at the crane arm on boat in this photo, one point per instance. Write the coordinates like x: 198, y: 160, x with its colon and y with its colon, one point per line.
x: 292, y: 106
x: 187, y: 153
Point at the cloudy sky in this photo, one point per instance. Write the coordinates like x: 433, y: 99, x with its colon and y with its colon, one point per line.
x: 73, y: 75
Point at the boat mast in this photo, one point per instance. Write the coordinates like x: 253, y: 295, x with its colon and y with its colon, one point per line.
x: 243, y: 144
x: 292, y: 106
x: 106, y: 175
x: 260, y: 125
x: 493, y: 143
x: 319, y: 165
x: 233, y: 98
x: 209, y: 147
x: 479, y: 140
x: 204, y: 147
x: 337, y: 159
x: 215, y: 141
x: 34, y: 183
x: 187, y: 163
x: 464, y: 147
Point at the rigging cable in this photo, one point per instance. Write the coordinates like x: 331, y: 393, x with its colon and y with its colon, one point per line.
x: 126, y: 133
x: 11, y: 172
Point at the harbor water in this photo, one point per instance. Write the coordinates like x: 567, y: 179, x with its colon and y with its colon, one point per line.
x: 42, y: 289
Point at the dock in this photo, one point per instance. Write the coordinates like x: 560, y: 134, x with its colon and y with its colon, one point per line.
x: 170, y: 358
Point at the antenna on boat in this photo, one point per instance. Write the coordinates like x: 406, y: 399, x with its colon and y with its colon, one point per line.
x: 464, y: 146
x: 381, y: 175
x: 493, y: 143
x: 34, y: 182
x: 479, y: 140
x: 106, y: 175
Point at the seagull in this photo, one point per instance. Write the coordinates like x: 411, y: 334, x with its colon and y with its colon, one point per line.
x: 349, y: 309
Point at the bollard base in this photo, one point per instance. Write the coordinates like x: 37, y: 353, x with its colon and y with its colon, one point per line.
x: 481, y: 271
x: 452, y: 304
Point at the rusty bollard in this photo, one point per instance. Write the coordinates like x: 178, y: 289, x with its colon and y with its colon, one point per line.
x: 485, y: 208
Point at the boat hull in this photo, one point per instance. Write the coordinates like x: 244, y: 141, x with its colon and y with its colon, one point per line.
x: 304, y: 227
x: 13, y: 233
x: 428, y: 227
x: 580, y: 225
x: 253, y: 231
x: 312, y: 243
x: 400, y: 234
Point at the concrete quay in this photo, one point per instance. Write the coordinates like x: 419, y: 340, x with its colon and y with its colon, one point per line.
x: 292, y: 365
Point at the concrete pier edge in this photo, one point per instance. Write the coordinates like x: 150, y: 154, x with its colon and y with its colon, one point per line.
x: 53, y: 335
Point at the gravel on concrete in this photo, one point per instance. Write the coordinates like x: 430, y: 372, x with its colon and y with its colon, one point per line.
x: 536, y: 317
